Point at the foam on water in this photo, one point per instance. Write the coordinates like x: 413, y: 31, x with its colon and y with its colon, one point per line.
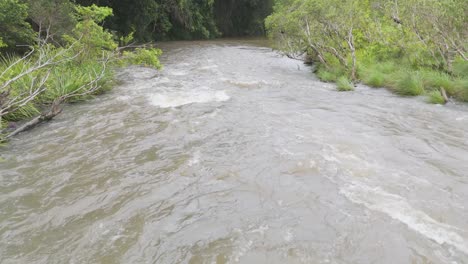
x: 399, y: 209
x: 178, y: 73
x: 246, y: 84
x: 184, y: 98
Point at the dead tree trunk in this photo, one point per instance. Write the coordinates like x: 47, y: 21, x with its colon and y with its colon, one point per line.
x: 53, y: 111
x: 350, y: 41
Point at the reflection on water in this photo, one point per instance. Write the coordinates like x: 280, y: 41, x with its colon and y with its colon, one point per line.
x: 234, y: 154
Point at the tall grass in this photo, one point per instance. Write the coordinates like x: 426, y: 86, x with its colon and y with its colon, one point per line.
x: 434, y: 97
x: 408, y: 84
x: 410, y: 80
x: 19, y: 88
x: 376, y: 74
x: 344, y: 85
x: 69, y: 78
x: 63, y: 79
x: 330, y: 74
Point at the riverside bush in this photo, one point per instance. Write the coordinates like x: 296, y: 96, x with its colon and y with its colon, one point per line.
x: 408, y: 84
x: 344, y: 85
x: 435, y: 97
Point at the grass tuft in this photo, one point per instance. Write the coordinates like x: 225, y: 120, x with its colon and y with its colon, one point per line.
x: 374, y: 78
x: 436, y: 80
x: 326, y: 76
x: 408, y: 84
x: 344, y: 85
x: 435, y: 97
x: 461, y: 89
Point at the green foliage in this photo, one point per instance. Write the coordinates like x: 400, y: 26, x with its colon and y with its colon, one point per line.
x: 375, y: 73
x: 88, y: 37
x: 409, y: 46
x: 330, y: 74
x: 71, y: 78
x: 344, y: 85
x: 461, y: 89
x: 185, y: 19
x: 435, y: 80
x: 460, y: 68
x: 93, y: 13
x: 326, y: 76
x: 435, y: 97
x: 125, y: 40
x: 144, y: 57
x: 52, y: 18
x: 20, y: 87
x: 51, y: 74
x: 408, y: 84
x: 373, y: 77
x: 14, y: 30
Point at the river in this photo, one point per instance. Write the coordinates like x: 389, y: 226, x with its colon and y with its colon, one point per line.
x: 235, y: 154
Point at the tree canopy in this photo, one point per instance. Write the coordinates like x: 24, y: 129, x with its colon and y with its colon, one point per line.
x: 186, y: 19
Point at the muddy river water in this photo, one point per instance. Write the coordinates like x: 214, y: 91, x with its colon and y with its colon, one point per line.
x: 235, y: 154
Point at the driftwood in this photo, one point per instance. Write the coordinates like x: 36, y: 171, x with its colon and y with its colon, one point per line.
x: 54, y: 110
x: 9, y: 104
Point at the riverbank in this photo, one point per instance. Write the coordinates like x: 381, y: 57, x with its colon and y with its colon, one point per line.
x: 411, y: 47
x: 35, y: 89
x: 35, y: 85
x: 437, y: 86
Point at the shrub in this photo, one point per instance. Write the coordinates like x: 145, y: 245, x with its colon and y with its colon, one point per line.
x: 435, y: 80
x: 461, y: 90
x: 144, y: 57
x: 75, y: 79
x: 460, y: 68
x: 330, y: 74
x: 435, y: 97
x: 343, y: 84
x: 408, y: 84
x: 326, y: 76
x: 374, y: 78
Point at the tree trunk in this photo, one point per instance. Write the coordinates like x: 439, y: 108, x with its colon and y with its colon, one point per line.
x: 54, y: 110
x: 353, y: 54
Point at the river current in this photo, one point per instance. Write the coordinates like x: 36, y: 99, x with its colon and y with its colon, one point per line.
x: 235, y: 154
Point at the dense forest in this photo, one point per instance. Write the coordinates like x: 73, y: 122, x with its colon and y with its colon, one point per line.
x: 412, y: 47
x: 185, y: 19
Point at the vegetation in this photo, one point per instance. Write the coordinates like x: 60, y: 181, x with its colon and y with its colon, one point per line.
x: 185, y: 19
x: 15, y: 31
x: 412, y: 47
x: 58, y: 63
x: 343, y: 84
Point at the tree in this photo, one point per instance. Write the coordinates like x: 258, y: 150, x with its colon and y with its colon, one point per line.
x: 185, y: 19
x: 51, y: 18
x: 15, y: 31
x: 327, y: 30
x: 440, y: 27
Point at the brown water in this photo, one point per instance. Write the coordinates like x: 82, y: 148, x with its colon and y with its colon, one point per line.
x: 234, y: 154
